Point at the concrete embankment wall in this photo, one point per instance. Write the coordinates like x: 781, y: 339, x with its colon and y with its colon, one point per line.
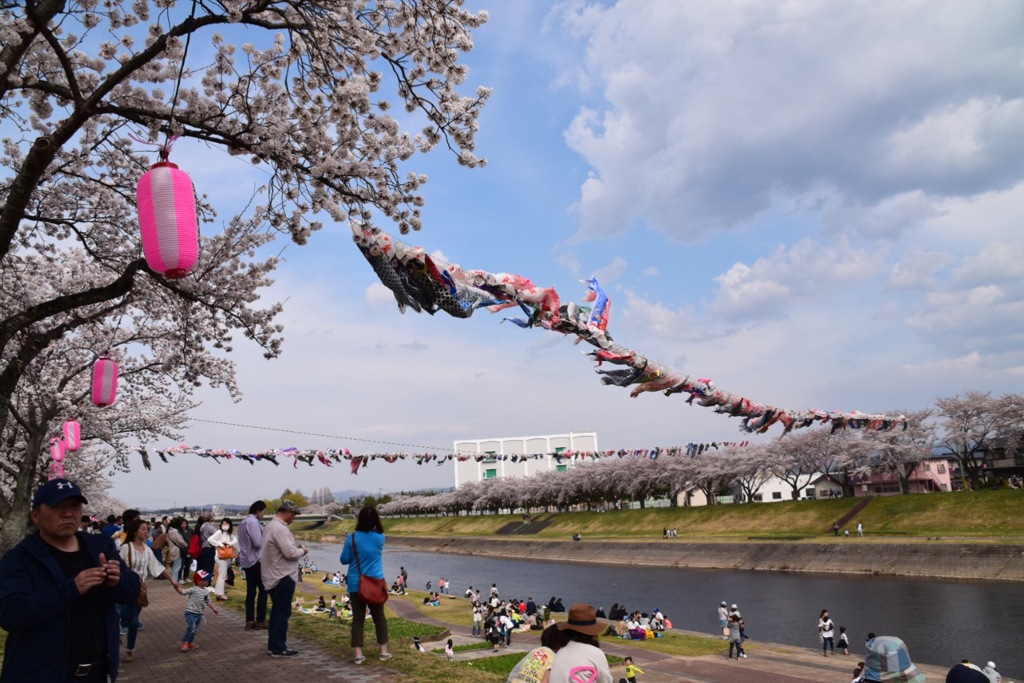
x: 925, y: 559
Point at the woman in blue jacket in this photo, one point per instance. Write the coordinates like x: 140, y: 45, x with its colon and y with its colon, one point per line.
x: 369, y: 547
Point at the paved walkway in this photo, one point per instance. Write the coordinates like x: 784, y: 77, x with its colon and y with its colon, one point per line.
x: 229, y: 652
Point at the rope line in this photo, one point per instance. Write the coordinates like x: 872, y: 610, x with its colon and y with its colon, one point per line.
x: 328, y: 436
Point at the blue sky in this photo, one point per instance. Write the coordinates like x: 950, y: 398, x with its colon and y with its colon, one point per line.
x: 816, y: 205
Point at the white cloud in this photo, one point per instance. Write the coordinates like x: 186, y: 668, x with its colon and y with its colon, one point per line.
x: 996, y: 262
x: 805, y: 271
x: 709, y: 110
x: 918, y: 270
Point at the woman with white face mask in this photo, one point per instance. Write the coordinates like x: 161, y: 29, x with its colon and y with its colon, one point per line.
x: 225, y: 544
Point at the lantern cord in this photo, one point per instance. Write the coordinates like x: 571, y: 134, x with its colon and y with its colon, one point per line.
x: 166, y: 149
x: 329, y: 436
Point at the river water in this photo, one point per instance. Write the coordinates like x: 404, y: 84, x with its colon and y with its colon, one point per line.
x: 941, y: 621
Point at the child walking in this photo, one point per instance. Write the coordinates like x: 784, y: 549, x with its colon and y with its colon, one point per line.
x: 449, y: 650
x: 844, y: 641
x: 198, y: 599
x: 333, y: 614
x: 631, y: 670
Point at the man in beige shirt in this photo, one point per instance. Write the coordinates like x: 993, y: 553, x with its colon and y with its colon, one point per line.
x: 279, y: 562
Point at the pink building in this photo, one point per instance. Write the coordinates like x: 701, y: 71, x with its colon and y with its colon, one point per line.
x: 926, y: 476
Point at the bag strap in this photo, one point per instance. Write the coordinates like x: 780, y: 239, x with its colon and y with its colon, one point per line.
x: 355, y: 552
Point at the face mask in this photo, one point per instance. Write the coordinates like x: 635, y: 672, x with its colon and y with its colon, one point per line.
x: 225, y: 527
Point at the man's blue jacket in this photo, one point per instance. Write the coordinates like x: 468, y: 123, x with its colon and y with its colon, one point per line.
x: 35, y: 608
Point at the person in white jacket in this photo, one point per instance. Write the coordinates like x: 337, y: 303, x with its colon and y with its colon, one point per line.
x: 225, y: 544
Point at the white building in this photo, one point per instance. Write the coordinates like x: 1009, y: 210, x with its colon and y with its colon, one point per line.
x: 501, y: 457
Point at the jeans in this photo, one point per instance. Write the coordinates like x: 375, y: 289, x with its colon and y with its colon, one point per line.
x: 827, y: 644
x: 192, y: 621
x: 477, y: 628
x: 255, y: 606
x: 132, y: 618
x: 176, y: 568
x: 739, y: 648
x: 380, y: 622
x: 277, y: 630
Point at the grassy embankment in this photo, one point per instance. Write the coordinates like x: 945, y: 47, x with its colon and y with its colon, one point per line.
x: 430, y: 667
x: 979, y: 515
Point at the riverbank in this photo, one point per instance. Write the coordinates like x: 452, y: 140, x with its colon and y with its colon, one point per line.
x: 849, y: 556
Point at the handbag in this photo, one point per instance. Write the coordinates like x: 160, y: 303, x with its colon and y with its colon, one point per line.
x: 226, y: 552
x: 372, y: 591
x: 195, y: 547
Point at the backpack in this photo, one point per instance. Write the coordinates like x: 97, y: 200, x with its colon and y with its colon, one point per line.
x: 195, y: 547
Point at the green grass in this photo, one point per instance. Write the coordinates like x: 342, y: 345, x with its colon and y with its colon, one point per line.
x: 333, y: 637
x: 997, y: 515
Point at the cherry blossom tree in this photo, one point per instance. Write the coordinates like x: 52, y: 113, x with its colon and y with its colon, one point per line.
x: 896, y: 452
x: 306, y: 97
x: 973, y: 423
x: 747, y: 467
x: 797, y: 456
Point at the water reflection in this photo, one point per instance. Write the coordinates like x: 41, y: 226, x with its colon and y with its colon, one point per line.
x: 941, y: 621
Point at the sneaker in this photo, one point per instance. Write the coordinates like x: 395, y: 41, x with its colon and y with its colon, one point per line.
x: 744, y: 655
x: 141, y: 626
x: 124, y: 630
x: 193, y: 646
x: 359, y: 660
x: 285, y: 653
x: 386, y: 656
x: 184, y: 647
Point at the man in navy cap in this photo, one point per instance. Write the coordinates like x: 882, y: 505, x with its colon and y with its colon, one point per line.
x: 58, y: 588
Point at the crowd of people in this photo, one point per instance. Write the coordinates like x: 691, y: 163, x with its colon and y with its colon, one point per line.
x: 100, y: 574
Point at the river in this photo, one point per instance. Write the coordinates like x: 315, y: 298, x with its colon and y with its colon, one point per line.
x: 941, y: 621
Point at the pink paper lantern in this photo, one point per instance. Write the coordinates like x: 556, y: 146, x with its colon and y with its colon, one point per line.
x: 72, y: 435
x: 56, y: 450
x: 167, y: 216
x: 56, y: 470
x: 104, y: 382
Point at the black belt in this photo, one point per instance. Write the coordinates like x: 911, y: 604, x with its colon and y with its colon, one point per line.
x: 82, y: 670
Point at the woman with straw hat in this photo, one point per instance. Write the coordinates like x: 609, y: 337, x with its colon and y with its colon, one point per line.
x: 581, y: 658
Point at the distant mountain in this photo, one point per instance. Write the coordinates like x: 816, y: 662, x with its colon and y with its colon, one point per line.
x: 348, y: 494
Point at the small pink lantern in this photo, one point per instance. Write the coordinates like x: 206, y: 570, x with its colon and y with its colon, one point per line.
x: 104, y: 382
x: 56, y: 470
x: 72, y: 435
x: 56, y: 449
x: 167, y: 217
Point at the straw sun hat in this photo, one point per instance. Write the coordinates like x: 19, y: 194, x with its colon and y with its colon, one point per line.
x: 583, y: 618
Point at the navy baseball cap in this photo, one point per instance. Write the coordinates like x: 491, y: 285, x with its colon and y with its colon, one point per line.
x: 56, y: 491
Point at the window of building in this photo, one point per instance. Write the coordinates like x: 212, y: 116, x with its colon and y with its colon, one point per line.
x: 926, y: 466
x: 809, y: 493
x: 490, y: 474
x: 941, y: 469
x: 490, y: 456
x: 776, y: 495
x: 561, y: 468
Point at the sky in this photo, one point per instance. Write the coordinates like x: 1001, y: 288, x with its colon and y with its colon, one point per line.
x: 815, y: 205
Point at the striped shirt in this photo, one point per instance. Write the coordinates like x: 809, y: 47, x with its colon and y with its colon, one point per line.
x: 198, y: 598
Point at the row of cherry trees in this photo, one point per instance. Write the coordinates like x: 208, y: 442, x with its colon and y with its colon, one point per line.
x: 963, y: 426
x: 301, y: 89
